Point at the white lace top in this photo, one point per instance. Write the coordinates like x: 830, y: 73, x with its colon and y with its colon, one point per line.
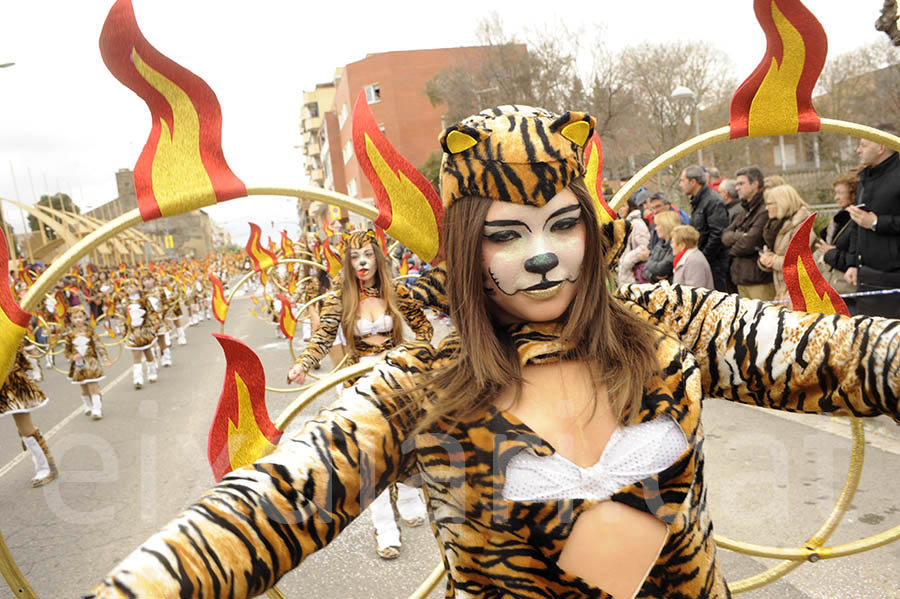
x: 632, y: 454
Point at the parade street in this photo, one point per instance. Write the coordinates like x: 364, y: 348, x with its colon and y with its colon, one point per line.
x: 773, y: 480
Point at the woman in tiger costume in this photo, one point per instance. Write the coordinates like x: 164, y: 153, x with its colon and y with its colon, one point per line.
x: 367, y: 308
x: 557, y: 433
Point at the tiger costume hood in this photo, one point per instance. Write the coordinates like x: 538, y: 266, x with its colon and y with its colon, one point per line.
x: 517, y: 154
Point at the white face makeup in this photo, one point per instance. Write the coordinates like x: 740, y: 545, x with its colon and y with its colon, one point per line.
x: 531, y: 257
x: 364, y: 264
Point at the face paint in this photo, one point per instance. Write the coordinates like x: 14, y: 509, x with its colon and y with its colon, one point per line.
x: 364, y: 265
x: 531, y: 257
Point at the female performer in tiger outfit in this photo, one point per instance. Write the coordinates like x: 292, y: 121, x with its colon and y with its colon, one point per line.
x: 367, y: 308
x: 521, y: 424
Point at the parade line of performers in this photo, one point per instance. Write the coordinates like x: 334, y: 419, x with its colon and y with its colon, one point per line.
x: 144, y: 308
x: 147, y: 308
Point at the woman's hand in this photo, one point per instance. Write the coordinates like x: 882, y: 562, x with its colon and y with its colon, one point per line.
x: 765, y: 260
x: 823, y: 247
x: 644, y: 254
x: 297, y: 374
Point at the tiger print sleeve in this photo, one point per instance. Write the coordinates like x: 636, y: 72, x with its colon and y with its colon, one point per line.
x: 430, y: 289
x: 323, y: 338
x: 261, y: 521
x: 760, y: 354
x: 414, y: 315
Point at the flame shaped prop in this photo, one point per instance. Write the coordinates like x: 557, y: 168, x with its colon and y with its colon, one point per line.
x: 382, y: 241
x: 241, y: 432
x: 287, y: 246
x: 181, y: 167
x: 404, y: 265
x: 809, y: 290
x: 777, y: 97
x: 13, y: 320
x: 332, y: 261
x: 286, y: 321
x: 262, y: 258
x: 408, y: 207
x: 219, y: 303
x: 593, y: 178
x: 292, y: 283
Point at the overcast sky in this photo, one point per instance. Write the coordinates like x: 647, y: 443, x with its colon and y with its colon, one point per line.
x: 67, y: 121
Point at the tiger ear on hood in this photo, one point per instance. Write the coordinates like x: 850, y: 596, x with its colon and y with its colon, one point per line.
x: 460, y: 138
x: 577, y: 127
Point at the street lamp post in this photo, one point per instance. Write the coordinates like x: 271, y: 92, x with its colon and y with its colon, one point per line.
x: 685, y: 93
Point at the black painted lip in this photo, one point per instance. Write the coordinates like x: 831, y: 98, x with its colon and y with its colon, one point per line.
x: 544, y: 284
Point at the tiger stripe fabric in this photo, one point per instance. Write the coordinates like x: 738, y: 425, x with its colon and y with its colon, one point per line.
x: 518, y: 154
x: 263, y: 520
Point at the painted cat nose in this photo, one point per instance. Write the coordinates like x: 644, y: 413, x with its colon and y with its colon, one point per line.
x: 542, y: 263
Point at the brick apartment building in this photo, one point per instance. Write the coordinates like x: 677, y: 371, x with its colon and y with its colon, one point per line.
x: 394, y: 83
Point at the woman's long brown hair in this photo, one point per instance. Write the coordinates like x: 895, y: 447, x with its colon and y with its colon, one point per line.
x: 619, y: 347
x: 350, y: 297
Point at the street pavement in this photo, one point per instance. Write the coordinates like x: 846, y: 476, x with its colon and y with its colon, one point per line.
x: 771, y: 478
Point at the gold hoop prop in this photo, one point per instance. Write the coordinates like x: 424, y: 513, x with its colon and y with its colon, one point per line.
x: 120, y: 341
x: 13, y: 576
x: 43, y: 348
x: 812, y: 550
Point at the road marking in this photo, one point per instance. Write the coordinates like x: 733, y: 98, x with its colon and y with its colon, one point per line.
x: 78, y: 411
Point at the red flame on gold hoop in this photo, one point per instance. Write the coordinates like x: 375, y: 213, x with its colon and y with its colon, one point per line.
x: 777, y: 97
x: 182, y: 166
x: 593, y: 178
x: 262, y: 258
x: 241, y: 431
x: 809, y: 290
x: 286, y: 321
x: 219, y: 303
x: 408, y: 207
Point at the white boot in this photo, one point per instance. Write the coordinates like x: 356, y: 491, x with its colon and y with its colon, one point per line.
x: 96, y: 407
x: 151, y: 372
x: 193, y: 320
x: 87, y: 404
x: 44, y: 466
x: 137, y: 375
x: 182, y: 340
x: 166, y: 359
x: 209, y: 314
x: 168, y: 339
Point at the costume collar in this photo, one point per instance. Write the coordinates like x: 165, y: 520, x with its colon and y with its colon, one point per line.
x: 539, y: 342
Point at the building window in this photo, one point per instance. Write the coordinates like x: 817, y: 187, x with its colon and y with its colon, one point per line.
x: 790, y: 155
x: 373, y: 93
x: 348, y: 150
x: 351, y: 187
x: 342, y: 116
x: 312, y: 109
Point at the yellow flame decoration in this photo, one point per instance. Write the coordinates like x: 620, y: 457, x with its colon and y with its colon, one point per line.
x: 11, y: 335
x: 177, y: 165
x: 814, y: 302
x: 773, y: 110
x: 246, y: 443
x: 590, y: 180
x: 413, y: 221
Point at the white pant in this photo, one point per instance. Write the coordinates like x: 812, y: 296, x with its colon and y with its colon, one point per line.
x: 410, y: 505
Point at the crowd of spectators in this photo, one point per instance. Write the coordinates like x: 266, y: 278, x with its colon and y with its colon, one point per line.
x: 737, y: 233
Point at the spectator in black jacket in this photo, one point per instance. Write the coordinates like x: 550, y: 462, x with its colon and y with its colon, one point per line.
x: 744, y: 238
x: 875, y: 238
x: 710, y: 217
